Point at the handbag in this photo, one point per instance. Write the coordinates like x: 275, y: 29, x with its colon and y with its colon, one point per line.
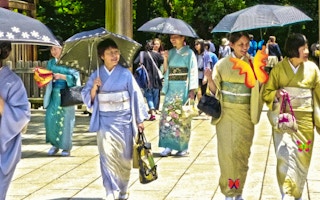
x: 210, y: 105
x: 157, y: 68
x: 189, y: 110
x: 143, y: 154
x: 287, y: 121
x: 279, y: 119
x: 71, y: 96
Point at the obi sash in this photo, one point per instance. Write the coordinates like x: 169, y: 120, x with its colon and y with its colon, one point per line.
x: 178, y: 73
x: 237, y: 93
x: 114, y: 101
x: 300, y: 98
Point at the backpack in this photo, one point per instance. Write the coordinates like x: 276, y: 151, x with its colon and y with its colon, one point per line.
x: 141, y: 74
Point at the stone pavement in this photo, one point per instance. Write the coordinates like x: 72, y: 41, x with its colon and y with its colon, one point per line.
x: 40, y: 177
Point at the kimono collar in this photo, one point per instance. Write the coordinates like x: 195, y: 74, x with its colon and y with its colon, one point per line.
x: 183, y: 50
x: 109, y: 72
x: 294, y: 69
x: 234, y: 56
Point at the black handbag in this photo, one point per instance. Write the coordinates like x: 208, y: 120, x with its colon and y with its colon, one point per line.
x: 210, y: 105
x: 147, y: 166
x: 71, y: 96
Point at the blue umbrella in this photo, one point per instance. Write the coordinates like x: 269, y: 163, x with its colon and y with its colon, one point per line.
x: 260, y: 16
x: 21, y: 29
x: 80, y: 50
x: 170, y: 26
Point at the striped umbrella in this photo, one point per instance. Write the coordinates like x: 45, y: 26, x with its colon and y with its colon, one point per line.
x: 260, y: 16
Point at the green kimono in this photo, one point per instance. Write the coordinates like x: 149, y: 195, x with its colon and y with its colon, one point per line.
x: 294, y: 149
x: 241, y: 108
x: 180, y: 78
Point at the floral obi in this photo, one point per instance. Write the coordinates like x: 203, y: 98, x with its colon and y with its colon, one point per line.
x: 114, y: 101
x: 300, y: 98
x: 237, y: 93
x: 178, y: 73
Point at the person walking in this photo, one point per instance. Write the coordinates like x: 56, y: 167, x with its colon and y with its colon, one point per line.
x: 59, y: 121
x: 300, y: 79
x: 180, y: 83
x: 234, y: 134
x: 152, y: 61
x: 203, y: 61
x: 158, y: 48
x: 274, y: 53
x: 14, y: 117
x: 118, y: 113
x: 224, y: 48
x: 253, y: 46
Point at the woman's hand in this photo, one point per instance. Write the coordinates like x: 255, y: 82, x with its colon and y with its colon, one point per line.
x: 141, y: 127
x: 96, y: 84
x: 280, y: 93
x: 58, y: 76
x: 1, y: 105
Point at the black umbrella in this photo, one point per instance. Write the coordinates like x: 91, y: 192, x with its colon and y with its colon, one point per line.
x: 260, y: 16
x: 80, y: 50
x: 170, y: 26
x: 21, y: 29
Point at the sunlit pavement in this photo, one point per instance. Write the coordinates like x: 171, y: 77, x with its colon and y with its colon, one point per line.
x: 42, y: 177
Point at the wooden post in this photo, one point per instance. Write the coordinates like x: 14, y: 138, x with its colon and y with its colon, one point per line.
x: 119, y: 17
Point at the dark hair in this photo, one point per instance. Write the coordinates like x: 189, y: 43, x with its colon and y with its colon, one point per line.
x: 293, y: 43
x: 234, y: 37
x: 105, y: 44
x: 201, y: 43
x: 5, y: 49
x: 149, y: 45
x: 206, y: 43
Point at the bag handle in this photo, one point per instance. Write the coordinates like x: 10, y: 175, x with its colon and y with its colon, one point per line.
x: 154, y: 63
x: 285, y: 100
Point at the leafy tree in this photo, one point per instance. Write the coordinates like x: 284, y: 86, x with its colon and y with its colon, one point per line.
x: 67, y: 17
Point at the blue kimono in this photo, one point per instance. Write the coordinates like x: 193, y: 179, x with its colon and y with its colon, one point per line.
x: 115, y: 128
x: 180, y: 78
x: 59, y: 121
x: 15, y: 116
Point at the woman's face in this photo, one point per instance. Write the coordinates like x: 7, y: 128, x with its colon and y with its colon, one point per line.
x: 241, y: 46
x: 303, y: 53
x: 156, y: 45
x: 177, y: 40
x: 56, y: 51
x: 197, y: 46
x: 111, y: 57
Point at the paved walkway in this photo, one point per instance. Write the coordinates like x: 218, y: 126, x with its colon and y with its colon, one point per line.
x: 40, y: 177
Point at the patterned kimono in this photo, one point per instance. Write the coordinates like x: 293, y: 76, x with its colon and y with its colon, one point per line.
x: 181, y: 76
x: 294, y: 150
x: 240, y: 110
x: 59, y: 121
x: 16, y: 115
x: 115, y: 128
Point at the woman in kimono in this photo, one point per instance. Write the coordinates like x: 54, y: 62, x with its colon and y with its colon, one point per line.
x: 300, y: 79
x: 14, y: 116
x: 118, y: 113
x: 59, y: 121
x: 240, y: 110
x: 181, y: 81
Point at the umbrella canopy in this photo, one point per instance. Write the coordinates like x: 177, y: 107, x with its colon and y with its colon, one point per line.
x: 170, y: 26
x: 21, y: 29
x: 260, y: 16
x: 80, y: 50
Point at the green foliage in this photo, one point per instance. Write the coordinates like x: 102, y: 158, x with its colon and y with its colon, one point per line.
x: 67, y: 17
